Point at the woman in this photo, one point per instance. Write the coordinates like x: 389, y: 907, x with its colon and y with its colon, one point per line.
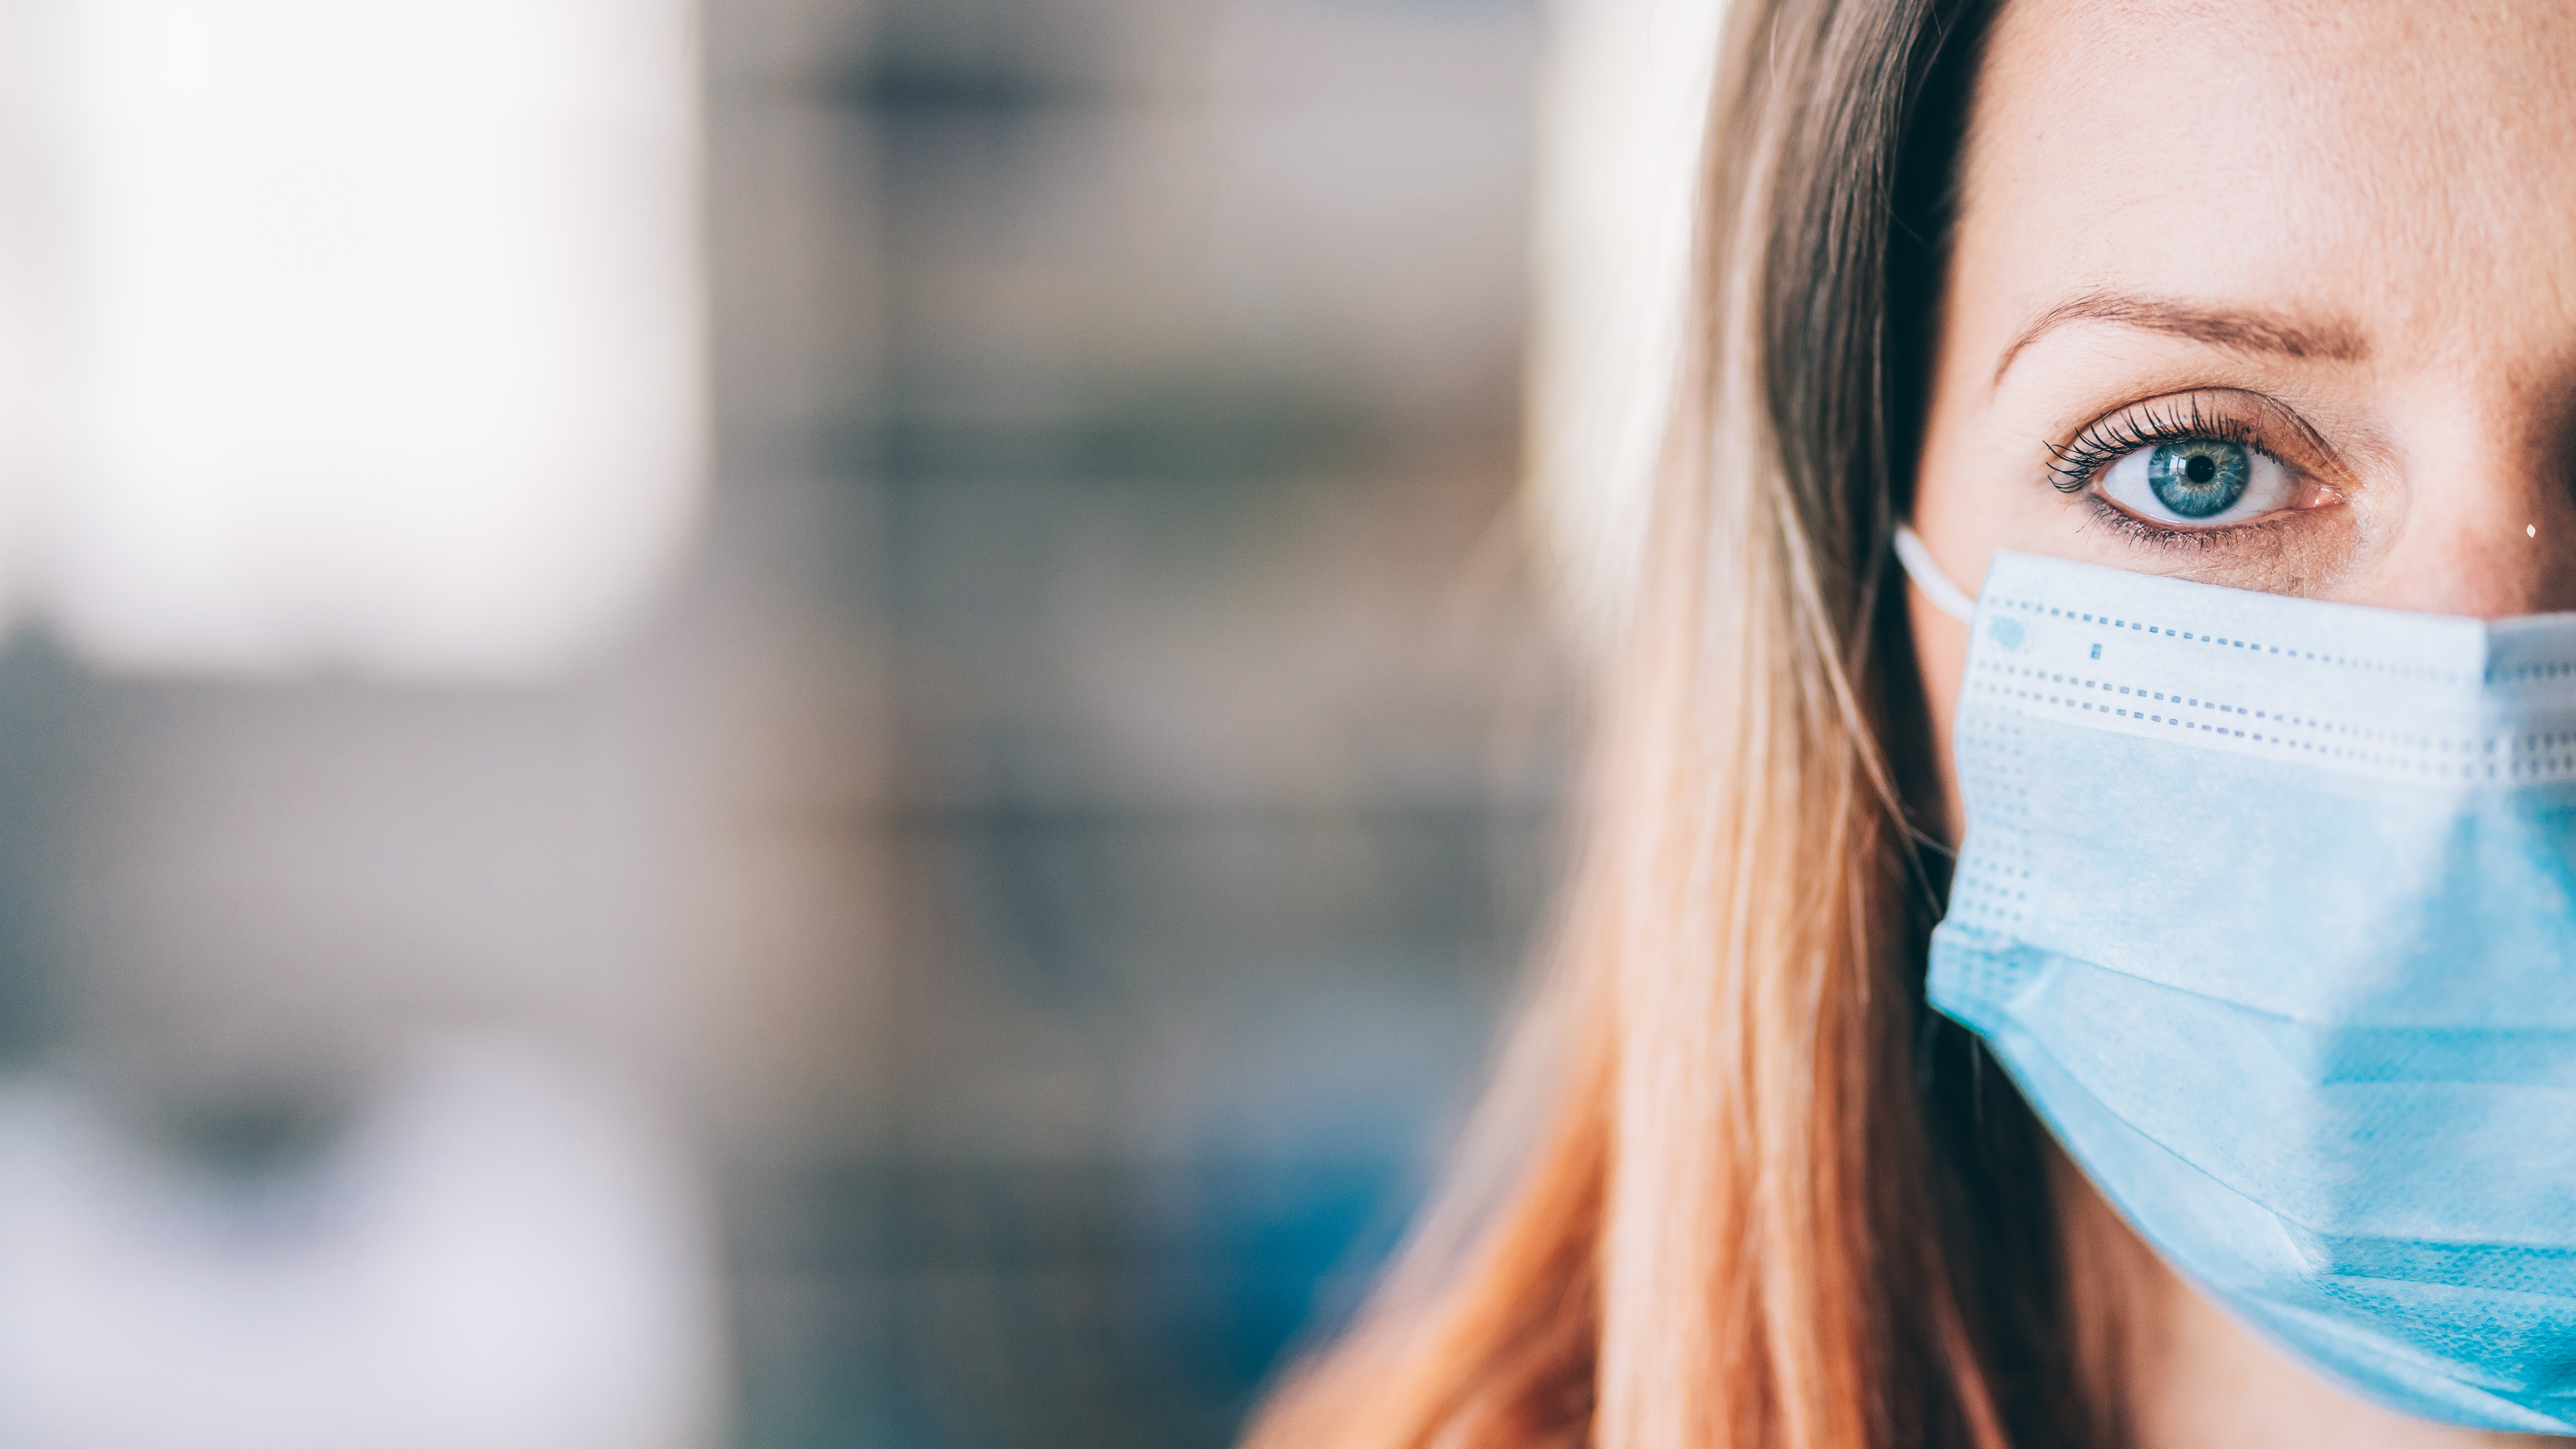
x: 2219, y: 311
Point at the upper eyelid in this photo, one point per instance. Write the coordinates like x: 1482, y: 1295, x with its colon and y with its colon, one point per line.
x: 2114, y: 435
x: 2308, y: 451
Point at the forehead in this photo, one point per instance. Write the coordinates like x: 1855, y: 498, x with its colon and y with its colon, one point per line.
x: 2409, y: 163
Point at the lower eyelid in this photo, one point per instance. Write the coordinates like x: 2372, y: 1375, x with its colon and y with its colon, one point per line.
x: 2163, y: 535
x: 2147, y: 531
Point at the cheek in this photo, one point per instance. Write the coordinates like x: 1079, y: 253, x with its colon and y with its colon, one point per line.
x: 1983, y: 484
x: 1970, y: 500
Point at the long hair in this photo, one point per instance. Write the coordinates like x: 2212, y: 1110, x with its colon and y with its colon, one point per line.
x: 1762, y: 1196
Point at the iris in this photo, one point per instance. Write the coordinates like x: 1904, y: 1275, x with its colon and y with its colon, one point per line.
x: 2199, y: 477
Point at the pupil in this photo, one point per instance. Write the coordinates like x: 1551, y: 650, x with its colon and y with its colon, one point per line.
x: 2200, y: 469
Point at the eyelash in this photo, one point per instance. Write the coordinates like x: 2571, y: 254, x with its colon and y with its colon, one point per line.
x: 2106, y: 441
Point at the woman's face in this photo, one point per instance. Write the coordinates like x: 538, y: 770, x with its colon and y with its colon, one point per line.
x: 2281, y: 297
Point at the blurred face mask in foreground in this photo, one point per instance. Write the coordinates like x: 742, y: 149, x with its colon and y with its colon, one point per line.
x: 2269, y: 905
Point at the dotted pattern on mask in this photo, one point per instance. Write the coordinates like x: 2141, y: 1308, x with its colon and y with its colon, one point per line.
x: 2212, y: 641
x: 1992, y: 888
x: 2360, y: 746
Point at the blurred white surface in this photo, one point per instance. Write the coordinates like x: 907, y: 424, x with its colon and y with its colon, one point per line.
x: 1623, y: 103
x: 497, y: 1254
x: 377, y: 339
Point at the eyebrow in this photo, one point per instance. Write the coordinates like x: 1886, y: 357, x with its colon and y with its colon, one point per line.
x: 2236, y: 330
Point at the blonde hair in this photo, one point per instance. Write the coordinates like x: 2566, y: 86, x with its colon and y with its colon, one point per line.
x: 1769, y: 1199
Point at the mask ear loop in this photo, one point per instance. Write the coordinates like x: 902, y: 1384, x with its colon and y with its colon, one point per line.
x: 1932, y: 881
x: 1927, y: 576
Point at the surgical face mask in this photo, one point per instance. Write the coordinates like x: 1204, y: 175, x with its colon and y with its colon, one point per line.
x: 2269, y: 907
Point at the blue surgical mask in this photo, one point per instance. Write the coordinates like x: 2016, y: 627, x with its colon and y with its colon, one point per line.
x: 2269, y: 907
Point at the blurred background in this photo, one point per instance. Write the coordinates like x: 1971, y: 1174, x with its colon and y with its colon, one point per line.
x: 784, y: 723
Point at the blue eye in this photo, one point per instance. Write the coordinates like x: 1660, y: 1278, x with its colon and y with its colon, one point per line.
x: 2201, y: 477
x: 2196, y: 482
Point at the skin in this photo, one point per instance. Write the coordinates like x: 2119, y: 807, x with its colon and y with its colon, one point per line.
x: 2350, y: 229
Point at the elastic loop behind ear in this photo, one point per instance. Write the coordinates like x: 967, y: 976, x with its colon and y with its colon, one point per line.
x: 1928, y: 577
